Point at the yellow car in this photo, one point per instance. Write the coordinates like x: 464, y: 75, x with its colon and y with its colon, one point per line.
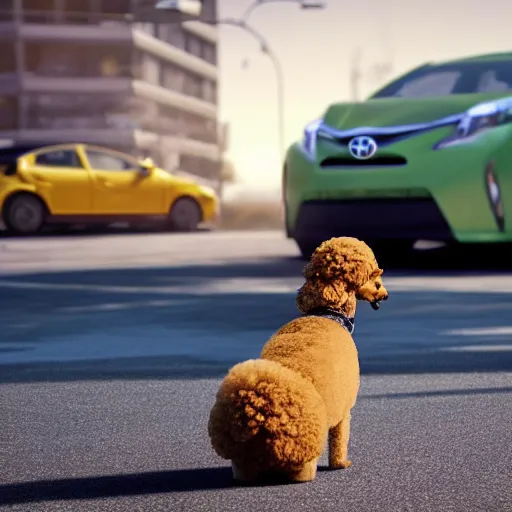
x: 85, y: 184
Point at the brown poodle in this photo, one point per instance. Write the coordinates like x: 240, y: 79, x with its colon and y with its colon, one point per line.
x: 273, y: 415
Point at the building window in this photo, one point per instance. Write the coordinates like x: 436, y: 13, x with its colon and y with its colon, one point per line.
x: 209, y: 10
x: 209, y: 52
x: 115, y: 7
x: 6, y: 10
x: 8, y: 60
x: 170, y: 76
x: 145, y: 114
x: 90, y: 111
x: 35, y: 11
x: 149, y: 69
x: 176, y: 123
x: 173, y: 77
x: 77, y: 60
x: 63, y: 111
x: 8, y: 113
x: 193, y: 45
x: 75, y: 11
x: 171, y: 33
x: 193, y: 85
x: 200, y: 167
x: 163, y: 32
x: 209, y: 91
x: 147, y: 28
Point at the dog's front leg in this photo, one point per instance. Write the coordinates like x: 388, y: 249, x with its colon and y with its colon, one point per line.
x: 338, y: 444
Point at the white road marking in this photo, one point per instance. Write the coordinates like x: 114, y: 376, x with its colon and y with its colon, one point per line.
x: 479, y: 348
x: 193, y: 286
x: 485, y: 331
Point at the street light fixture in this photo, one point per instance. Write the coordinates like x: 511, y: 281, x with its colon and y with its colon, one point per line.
x: 313, y: 4
x: 303, y: 4
x: 194, y: 7
x: 189, y: 6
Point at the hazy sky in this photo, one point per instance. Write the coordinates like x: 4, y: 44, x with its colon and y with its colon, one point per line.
x: 316, y: 48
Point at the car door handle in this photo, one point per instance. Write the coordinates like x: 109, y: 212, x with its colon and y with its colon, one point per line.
x: 42, y: 179
x: 106, y: 182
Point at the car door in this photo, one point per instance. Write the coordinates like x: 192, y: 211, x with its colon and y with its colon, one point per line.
x: 60, y: 177
x: 120, y: 187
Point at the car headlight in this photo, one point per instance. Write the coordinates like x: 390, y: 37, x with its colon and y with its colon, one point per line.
x: 312, y: 132
x: 310, y: 136
x: 479, y: 119
x: 207, y: 191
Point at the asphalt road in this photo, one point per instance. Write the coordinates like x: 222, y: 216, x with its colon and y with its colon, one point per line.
x: 112, y: 347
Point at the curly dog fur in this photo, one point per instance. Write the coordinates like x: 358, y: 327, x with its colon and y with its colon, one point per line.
x: 273, y: 415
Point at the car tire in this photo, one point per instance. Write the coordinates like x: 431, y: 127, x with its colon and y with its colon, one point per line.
x: 24, y: 214
x: 185, y: 215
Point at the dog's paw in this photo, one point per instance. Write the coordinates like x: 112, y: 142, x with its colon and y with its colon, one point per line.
x: 345, y: 464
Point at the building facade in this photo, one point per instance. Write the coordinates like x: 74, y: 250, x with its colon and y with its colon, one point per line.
x: 115, y: 73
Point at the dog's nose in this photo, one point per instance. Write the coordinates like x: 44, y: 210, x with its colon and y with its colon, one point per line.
x: 385, y: 297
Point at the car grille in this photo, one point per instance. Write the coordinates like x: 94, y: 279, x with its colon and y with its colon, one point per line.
x: 383, y: 139
x: 378, y: 161
x: 372, y: 218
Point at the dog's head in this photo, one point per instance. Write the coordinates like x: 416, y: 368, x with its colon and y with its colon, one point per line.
x: 340, y: 271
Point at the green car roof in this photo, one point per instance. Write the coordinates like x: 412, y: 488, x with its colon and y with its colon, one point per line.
x: 473, y: 58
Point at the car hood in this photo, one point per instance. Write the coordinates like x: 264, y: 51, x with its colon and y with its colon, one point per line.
x: 387, y: 112
x: 185, y: 182
x: 176, y: 179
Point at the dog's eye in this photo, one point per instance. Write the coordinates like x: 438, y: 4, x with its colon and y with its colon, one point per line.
x: 377, y: 286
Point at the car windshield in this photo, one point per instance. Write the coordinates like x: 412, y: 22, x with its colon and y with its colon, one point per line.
x: 448, y: 79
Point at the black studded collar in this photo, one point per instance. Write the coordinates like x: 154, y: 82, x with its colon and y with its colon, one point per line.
x: 345, y: 321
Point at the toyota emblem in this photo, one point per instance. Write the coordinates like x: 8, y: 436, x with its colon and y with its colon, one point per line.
x: 362, y: 147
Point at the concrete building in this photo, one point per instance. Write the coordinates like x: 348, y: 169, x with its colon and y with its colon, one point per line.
x: 111, y: 72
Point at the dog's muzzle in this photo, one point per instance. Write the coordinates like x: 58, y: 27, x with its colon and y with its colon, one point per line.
x: 376, y: 303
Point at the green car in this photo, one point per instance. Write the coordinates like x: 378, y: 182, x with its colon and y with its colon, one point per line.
x: 427, y: 157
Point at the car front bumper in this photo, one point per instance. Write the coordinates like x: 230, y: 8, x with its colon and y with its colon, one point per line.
x: 436, y: 195
x: 210, y: 208
x: 378, y: 218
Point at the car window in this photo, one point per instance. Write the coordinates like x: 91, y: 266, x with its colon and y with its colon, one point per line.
x: 433, y: 84
x: 470, y: 77
x: 108, y: 161
x: 58, y: 158
x: 490, y: 82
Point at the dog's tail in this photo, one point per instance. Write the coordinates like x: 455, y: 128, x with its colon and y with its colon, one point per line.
x: 269, y: 415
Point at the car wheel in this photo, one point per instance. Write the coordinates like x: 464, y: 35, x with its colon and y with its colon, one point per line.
x: 185, y: 215
x: 24, y: 214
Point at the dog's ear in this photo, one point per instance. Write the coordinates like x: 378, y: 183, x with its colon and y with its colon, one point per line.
x: 376, y: 273
x: 317, y: 293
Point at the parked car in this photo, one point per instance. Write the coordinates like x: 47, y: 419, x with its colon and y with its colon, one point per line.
x: 86, y: 184
x: 428, y: 156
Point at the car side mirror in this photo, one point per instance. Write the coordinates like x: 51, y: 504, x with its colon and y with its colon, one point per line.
x: 21, y: 165
x: 147, y: 166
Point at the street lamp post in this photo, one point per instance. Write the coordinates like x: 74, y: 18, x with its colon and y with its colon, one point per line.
x: 242, y: 23
x: 265, y: 48
x: 278, y: 69
x: 304, y: 4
